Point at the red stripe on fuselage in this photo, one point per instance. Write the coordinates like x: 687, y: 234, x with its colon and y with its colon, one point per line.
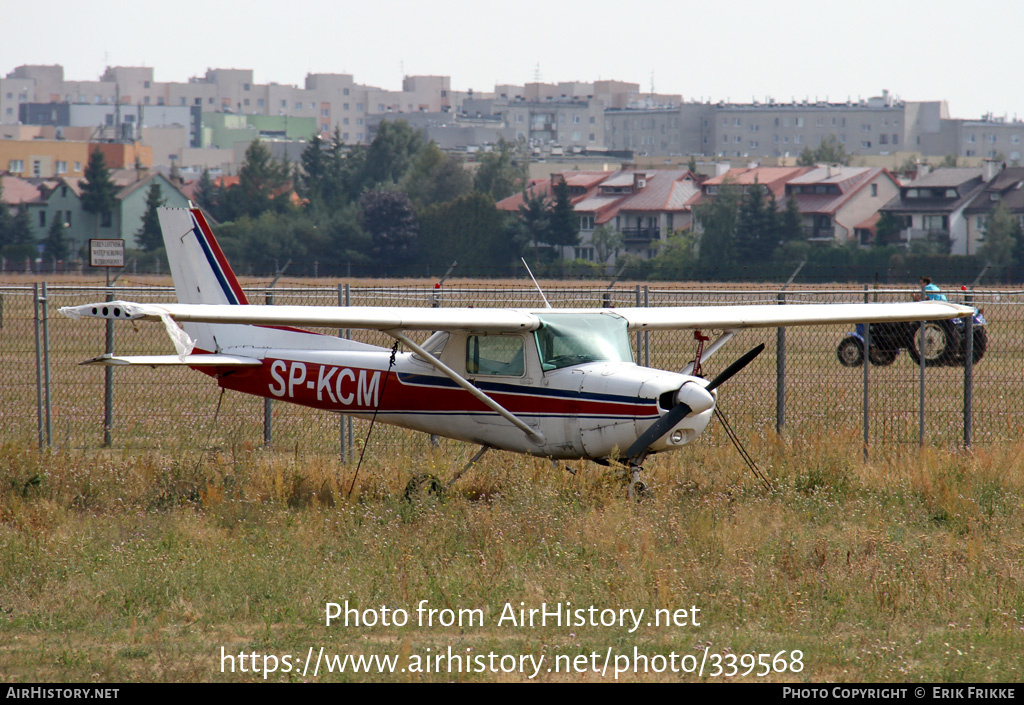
x: 361, y: 390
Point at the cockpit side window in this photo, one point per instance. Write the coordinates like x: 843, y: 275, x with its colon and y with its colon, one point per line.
x: 495, y: 355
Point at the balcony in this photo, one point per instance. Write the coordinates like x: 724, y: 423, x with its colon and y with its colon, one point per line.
x: 636, y: 236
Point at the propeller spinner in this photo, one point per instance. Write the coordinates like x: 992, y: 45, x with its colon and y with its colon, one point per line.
x: 690, y: 398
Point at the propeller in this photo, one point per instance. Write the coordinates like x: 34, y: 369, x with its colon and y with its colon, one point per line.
x: 690, y: 396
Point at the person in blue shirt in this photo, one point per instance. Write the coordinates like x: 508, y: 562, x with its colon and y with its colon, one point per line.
x: 931, y: 291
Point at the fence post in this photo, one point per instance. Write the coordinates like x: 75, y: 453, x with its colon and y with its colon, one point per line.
x: 920, y: 354
x: 780, y: 373
x: 647, y: 334
x: 341, y: 417
x: 867, y: 361
x: 349, y: 449
x: 268, y: 403
x: 39, y: 367
x: 968, y: 380
x: 639, y: 335
x: 108, y: 378
x: 46, y: 365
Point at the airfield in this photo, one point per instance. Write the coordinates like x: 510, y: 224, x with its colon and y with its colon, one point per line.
x: 188, y: 541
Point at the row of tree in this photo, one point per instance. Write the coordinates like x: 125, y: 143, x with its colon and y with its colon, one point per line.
x: 402, y: 206
x: 397, y: 206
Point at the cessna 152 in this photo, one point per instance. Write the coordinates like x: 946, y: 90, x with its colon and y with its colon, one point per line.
x: 555, y: 383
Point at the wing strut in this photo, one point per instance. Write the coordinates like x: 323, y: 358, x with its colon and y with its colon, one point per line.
x: 531, y: 433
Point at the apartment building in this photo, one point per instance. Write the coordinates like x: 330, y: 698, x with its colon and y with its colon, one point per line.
x: 990, y: 138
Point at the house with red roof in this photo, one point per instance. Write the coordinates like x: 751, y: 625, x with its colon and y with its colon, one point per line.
x: 644, y: 206
x: 835, y: 200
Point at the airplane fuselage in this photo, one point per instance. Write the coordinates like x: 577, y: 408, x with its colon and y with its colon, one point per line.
x: 583, y: 411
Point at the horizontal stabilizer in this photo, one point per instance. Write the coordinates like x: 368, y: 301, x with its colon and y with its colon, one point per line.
x: 185, y: 360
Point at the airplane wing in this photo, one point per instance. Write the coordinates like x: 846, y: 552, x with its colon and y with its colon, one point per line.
x: 509, y: 320
x: 772, y: 316
x: 366, y: 317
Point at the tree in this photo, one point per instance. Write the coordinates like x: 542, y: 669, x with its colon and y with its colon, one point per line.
x: 1002, y: 235
x: 98, y: 191
x: 791, y: 222
x: 467, y: 229
x: 389, y: 219
x: 391, y: 153
x: 501, y: 172
x: 149, y: 236
x: 887, y: 228
x: 5, y: 221
x: 830, y: 151
x: 534, y: 219
x: 757, y: 229
x: 563, y: 225
x: 315, y: 172
x: 55, y: 244
x: 807, y: 157
x: 435, y: 177
x: 206, y: 192
x: 718, y: 219
x: 606, y: 241
x: 262, y: 180
x: 677, y: 259
x: 20, y: 244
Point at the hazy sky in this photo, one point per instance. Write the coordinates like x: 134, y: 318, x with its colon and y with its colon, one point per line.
x: 968, y: 53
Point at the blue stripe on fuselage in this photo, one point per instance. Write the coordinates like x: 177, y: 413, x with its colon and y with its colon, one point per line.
x: 500, y: 387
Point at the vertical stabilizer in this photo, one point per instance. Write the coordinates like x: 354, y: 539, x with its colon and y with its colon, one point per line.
x: 201, y: 273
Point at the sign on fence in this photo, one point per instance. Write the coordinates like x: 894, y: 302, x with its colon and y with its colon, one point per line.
x: 106, y: 253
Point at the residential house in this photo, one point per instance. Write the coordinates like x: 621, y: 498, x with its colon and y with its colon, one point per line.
x: 645, y: 206
x: 655, y: 206
x: 1007, y: 188
x: 835, y: 200
x: 931, y: 208
x: 60, y: 199
x: 772, y: 178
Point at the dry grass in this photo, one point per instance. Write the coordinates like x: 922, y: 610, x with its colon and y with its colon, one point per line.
x: 139, y: 566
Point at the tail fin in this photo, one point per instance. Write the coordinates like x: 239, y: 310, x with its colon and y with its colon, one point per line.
x: 201, y: 273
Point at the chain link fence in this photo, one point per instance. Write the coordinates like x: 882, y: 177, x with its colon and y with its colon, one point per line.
x: 797, y: 386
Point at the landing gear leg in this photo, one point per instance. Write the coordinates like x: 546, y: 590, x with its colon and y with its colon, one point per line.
x: 430, y: 485
x: 467, y: 466
x: 637, y: 489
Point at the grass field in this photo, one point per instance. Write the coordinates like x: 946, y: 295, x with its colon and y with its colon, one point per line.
x: 143, y: 561
x: 122, y: 566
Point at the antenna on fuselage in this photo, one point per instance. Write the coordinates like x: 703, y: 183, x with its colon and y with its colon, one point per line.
x: 546, y: 303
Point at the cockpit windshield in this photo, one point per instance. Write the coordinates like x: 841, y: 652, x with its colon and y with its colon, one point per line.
x: 566, y: 339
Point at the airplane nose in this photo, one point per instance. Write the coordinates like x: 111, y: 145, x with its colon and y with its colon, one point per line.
x: 696, y: 397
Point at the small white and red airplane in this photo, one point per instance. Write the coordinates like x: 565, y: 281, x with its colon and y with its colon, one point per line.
x: 555, y: 383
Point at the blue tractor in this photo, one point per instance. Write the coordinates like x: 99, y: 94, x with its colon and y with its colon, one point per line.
x: 944, y: 342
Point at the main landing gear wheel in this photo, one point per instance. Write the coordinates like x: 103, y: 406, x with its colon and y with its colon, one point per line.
x: 421, y: 486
